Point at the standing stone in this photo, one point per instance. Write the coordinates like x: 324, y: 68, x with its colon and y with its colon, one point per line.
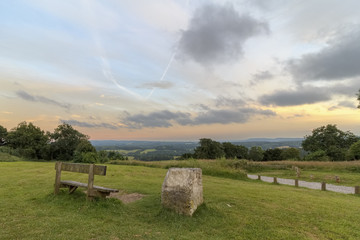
x: 182, y: 190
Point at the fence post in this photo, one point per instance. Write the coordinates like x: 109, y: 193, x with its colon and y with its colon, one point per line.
x: 296, y: 182
x: 275, y: 180
x: 323, y: 186
x: 357, y: 189
x: 259, y: 177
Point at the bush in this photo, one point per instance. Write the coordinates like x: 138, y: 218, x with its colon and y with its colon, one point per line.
x: 319, y: 155
x: 87, y: 157
x: 354, y: 152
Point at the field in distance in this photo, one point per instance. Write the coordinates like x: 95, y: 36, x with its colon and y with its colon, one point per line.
x: 233, y: 209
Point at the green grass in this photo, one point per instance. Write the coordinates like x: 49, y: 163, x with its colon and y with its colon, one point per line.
x: 219, y: 168
x: 233, y: 209
x: 6, y: 157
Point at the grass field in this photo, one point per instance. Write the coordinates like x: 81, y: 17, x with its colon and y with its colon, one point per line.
x: 233, y: 209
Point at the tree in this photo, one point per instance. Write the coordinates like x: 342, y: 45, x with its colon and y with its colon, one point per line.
x: 235, y: 151
x: 272, y: 154
x: 65, y: 140
x: 3, y: 135
x: 331, y: 140
x: 290, y: 154
x: 256, y: 153
x: 209, y: 149
x: 30, y: 140
x: 354, y: 151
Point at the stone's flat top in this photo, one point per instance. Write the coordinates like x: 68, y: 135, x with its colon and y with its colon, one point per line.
x: 185, y: 169
x: 180, y: 177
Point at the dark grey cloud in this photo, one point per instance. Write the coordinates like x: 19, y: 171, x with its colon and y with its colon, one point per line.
x: 167, y: 118
x: 216, y: 34
x: 338, y: 61
x: 262, y: 75
x: 28, y: 97
x: 309, y: 94
x: 241, y: 115
x: 228, y: 102
x: 295, y: 97
x: 158, y: 84
x: 90, y: 125
x: 343, y: 104
x: 156, y: 119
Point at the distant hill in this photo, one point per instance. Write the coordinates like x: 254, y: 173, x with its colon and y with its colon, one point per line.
x: 265, y: 143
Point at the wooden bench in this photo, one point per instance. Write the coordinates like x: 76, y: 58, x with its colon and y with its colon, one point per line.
x: 91, y: 170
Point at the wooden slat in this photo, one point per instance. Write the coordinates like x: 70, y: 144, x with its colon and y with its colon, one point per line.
x: 83, y: 168
x: 67, y: 183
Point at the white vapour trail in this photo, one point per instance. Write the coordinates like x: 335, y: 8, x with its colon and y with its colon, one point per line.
x: 108, y: 74
x: 105, y: 66
x: 165, y: 72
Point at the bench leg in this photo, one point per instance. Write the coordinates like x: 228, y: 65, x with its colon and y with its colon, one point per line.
x: 72, y: 189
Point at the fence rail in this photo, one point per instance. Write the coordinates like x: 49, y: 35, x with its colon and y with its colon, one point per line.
x: 312, y: 185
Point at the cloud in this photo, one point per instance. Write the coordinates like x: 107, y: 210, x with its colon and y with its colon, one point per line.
x: 262, y: 75
x: 295, y: 97
x: 216, y: 34
x: 90, y: 125
x: 158, y: 84
x: 167, y: 119
x: 28, y: 97
x: 335, y: 62
x: 228, y: 102
x: 163, y: 118
x: 227, y: 116
x: 343, y: 104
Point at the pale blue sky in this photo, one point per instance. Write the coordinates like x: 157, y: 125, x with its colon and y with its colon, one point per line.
x: 180, y: 70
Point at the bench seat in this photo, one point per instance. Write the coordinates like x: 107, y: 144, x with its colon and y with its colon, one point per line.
x: 68, y: 183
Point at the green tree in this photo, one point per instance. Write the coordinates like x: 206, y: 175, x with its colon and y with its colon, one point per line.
x: 3, y: 135
x: 235, y: 151
x: 209, y: 149
x: 331, y: 140
x: 290, y: 154
x: 256, y: 153
x: 354, y: 151
x: 65, y: 140
x: 103, y: 156
x: 272, y: 154
x: 29, y: 140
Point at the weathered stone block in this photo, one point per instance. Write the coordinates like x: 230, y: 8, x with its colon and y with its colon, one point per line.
x: 182, y: 190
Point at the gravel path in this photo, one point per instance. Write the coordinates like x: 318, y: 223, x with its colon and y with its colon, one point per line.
x: 312, y: 185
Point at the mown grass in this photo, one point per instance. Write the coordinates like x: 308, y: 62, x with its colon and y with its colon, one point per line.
x: 233, y: 209
x: 218, y: 168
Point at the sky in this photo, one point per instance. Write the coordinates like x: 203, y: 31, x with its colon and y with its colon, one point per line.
x: 180, y: 70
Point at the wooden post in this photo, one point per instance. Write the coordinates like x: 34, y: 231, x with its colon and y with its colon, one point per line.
x: 57, y: 177
x: 90, y: 190
x: 323, y: 186
x: 259, y: 177
x: 357, y: 189
x: 296, y: 182
x: 275, y: 180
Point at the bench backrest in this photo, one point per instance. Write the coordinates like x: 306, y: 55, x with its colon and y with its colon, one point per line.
x: 81, y: 168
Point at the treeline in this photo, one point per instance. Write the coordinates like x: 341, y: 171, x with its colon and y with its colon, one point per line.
x: 210, y: 149
x: 64, y: 144
x: 326, y: 143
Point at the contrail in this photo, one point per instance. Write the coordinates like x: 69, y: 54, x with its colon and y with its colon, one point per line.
x: 164, y: 73
x: 105, y: 66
